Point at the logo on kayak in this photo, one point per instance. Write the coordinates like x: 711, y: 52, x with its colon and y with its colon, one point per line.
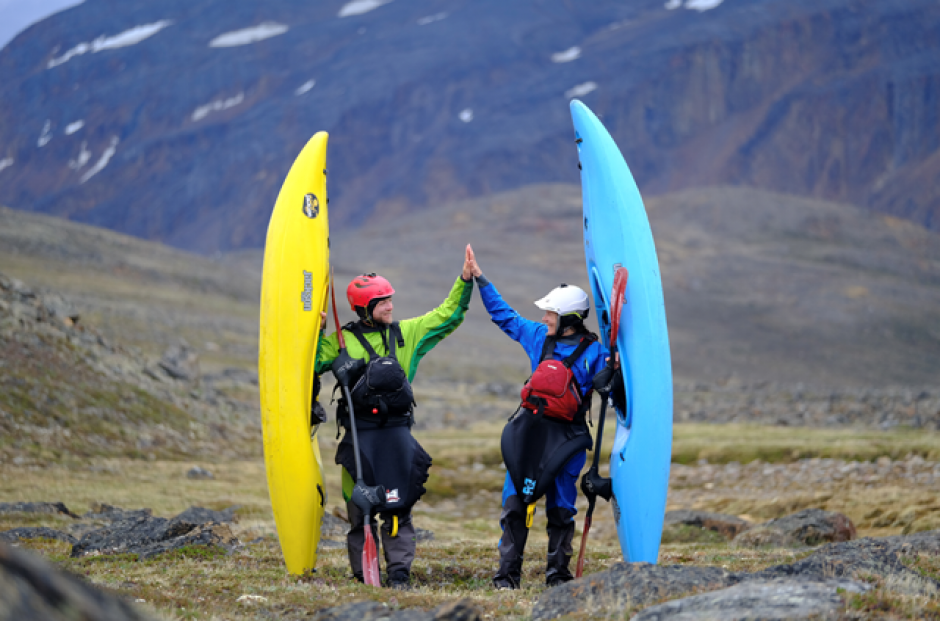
x: 529, y: 487
x: 391, y: 495
x: 311, y: 206
x: 307, y: 296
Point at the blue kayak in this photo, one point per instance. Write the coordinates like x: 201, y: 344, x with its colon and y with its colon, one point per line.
x: 617, y: 233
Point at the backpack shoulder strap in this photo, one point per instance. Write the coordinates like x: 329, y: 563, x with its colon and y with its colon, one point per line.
x: 583, y: 345
x: 548, y: 347
x: 356, y: 330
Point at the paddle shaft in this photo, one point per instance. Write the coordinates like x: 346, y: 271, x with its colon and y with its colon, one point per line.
x: 370, y: 560
x: 617, y: 301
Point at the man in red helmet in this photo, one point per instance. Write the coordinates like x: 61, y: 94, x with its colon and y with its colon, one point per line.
x: 379, y: 364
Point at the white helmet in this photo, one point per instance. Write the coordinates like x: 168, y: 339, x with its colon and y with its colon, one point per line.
x: 565, y: 300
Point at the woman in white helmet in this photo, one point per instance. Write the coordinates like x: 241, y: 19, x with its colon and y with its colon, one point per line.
x: 544, y: 454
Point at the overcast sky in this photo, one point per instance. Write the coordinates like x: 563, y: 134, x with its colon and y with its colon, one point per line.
x: 17, y: 15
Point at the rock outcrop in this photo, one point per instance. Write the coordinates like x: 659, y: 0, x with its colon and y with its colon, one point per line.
x: 796, y: 590
x: 31, y: 589
x: 458, y: 610
x: 810, y: 527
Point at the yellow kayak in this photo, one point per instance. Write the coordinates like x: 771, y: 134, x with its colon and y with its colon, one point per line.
x: 293, y: 292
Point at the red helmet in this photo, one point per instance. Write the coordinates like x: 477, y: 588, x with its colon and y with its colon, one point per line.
x: 365, y: 288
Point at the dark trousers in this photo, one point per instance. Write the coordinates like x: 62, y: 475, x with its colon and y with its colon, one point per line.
x: 399, y: 550
x: 560, y: 529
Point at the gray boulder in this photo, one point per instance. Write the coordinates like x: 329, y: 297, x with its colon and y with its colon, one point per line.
x: 36, y: 532
x: 810, y: 527
x: 32, y: 589
x: 148, y: 536
x: 626, y: 585
x: 856, y: 560
x: 729, y: 526
x: 199, y: 473
x: 180, y: 362
x: 765, y: 600
x: 35, y: 507
x: 458, y: 610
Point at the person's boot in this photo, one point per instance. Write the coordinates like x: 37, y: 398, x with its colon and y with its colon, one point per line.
x: 511, y: 544
x: 398, y: 543
x: 560, y: 533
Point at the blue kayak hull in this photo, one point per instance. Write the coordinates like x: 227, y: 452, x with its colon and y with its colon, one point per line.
x: 617, y: 233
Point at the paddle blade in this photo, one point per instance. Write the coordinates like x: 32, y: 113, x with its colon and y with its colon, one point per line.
x: 617, y: 300
x: 579, y: 571
x: 370, y: 560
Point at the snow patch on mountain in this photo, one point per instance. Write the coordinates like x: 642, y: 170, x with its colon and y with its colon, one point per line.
x: 128, y: 37
x: 46, y: 134
x: 102, y: 161
x: 6, y: 163
x: 306, y: 86
x: 71, y: 128
x: 581, y: 90
x: 83, y: 156
x: 702, y: 5
x: 358, y: 7
x: 572, y: 53
x: 246, y: 36
x: 216, y: 106
x: 697, y: 5
x: 430, y: 19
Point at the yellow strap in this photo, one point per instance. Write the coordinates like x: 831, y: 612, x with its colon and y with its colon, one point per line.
x: 530, y: 511
x: 394, y: 526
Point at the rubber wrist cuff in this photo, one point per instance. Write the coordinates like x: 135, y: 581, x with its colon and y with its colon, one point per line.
x: 481, y: 280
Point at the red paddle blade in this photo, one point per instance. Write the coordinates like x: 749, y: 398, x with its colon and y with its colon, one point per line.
x: 587, y: 526
x: 370, y: 560
x: 339, y: 332
x: 617, y: 300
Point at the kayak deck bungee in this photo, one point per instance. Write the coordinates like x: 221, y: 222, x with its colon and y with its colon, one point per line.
x: 617, y: 234
x: 294, y: 287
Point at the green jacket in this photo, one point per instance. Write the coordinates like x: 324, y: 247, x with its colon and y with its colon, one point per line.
x: 421, y: 334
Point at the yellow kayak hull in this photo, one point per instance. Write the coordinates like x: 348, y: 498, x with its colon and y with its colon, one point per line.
x: 293, y: 292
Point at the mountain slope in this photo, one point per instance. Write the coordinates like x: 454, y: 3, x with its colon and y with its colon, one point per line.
x: 758, y: 286
x: 176, y: 121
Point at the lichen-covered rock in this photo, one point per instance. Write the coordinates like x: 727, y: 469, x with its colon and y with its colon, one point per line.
x: 147, y: 536
x: 36, y: 532
x: 810, y: 527
x: 880, y: 558
x: 35, y: 507
x: 766, y: 600
x: 458, y: 610
x: 764, y: 536
x: 31, y: 589
x: 199, y: 473
x: 728, y: 526
x: 625, y: 585
x: 201, y: 515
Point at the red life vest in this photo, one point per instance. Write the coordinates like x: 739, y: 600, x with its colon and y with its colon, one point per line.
x: 553, y: 390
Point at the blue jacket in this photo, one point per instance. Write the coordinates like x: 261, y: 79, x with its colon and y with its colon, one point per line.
x: 532, y: 334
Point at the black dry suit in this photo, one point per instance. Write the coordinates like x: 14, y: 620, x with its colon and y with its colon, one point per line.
x: 391, y: 457
x: 543, y: 456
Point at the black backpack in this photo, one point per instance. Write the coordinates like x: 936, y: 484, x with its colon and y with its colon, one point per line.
x: 383, y: 390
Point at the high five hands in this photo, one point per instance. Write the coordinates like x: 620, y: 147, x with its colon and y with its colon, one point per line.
x: 470, y: 267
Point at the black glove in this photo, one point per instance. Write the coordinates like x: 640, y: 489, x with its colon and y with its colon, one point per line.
x: 347, y: 369
x: 368, y: 498
x: 604, y: 380
x: 317, y: 413
x: 593, y: 484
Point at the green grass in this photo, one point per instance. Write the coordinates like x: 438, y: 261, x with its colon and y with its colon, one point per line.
x: 206, y: 583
